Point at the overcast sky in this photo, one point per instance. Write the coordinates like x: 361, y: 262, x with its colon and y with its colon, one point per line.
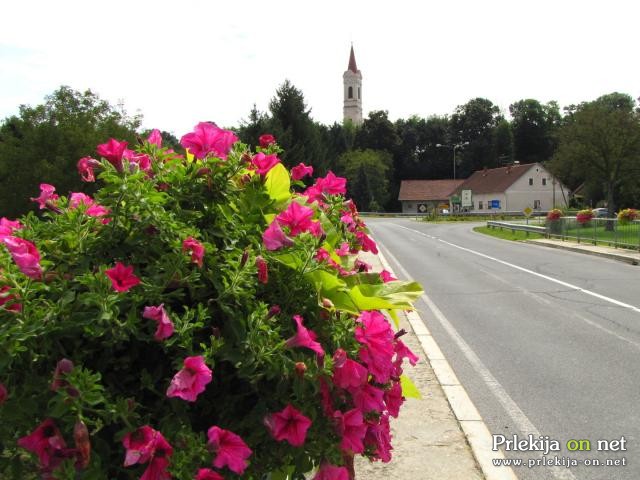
x: 180, y: 62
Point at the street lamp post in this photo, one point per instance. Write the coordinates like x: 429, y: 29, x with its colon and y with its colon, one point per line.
x: 454, y: 147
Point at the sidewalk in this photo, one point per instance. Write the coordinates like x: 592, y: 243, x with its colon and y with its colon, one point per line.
x: 428, y: 438
x: 619, y: 254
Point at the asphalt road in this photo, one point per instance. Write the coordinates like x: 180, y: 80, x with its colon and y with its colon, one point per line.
x: 546, y: 342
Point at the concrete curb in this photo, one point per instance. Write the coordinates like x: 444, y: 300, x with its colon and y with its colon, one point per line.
x: 588, y: 251
x: 471, y: 423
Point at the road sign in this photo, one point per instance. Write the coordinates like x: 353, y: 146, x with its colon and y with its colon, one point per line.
x: 466, y: 198
x: 527, y: 212
x: 422, y: 208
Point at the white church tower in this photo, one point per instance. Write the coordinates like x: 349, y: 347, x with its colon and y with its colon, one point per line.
x: 352, y: 79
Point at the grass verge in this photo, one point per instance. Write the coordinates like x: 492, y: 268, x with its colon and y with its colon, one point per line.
x: 507, y: 234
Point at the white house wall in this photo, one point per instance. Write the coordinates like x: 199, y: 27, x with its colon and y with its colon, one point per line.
x: 521, y: 194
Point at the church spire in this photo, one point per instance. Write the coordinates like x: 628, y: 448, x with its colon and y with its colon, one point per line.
x: 352, y: 62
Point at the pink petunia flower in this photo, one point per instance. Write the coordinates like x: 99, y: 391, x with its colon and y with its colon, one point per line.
x: 155, y: 138
x: 263, y: 270
x: 300, y: 171
x: 207, y: 138
x: 99, y: 211
x: 343, y: 250
x: 8, y: 300
x: 3, y: 393
x: 159, y: 315
x: 7, y: 227
x: 208, y: 474
x: 361, y: 266
x: 25, y: 255
x: 196, y: 249
x: 368, y: 245
x: 393, y: 399
x: 304, y: 338
x: 139, y: 445
x: 368, y: 398
x: 331, y: 184
x: 352, y: 428
x: 378, y: 438
x: 63, y: 368
x: 376, y: 337
x: 289, y: 424
x: 191, y: 381
x: 316, y: 229
x: 387, y: 277
x: 402, y: 352
x: 274, y: 238
x: 141, y: 160
x: 46, y: 195
x: 266, y: 140
x: 297, y: 217
x: 78, y: 198
x: 331, y: 472
x: 349, y: 374
x: 122, y: 277
x: 47, y: 443
x: 85, y: 168
x: 113, y: 151
x: 263, y: 163
x: 229, y: 449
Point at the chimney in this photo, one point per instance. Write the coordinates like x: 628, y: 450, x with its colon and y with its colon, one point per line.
x: 484, y: 171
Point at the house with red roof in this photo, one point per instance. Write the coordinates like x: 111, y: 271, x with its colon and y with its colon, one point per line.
x: 511, y: 189
x: 425, y: 196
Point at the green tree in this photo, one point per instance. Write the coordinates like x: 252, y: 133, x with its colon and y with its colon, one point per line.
x: 600, y: 146
x: 534, y: 125
x: 503, y: 140
x: 258, y: 124
x: 367, y: 173
x: 42, y: 144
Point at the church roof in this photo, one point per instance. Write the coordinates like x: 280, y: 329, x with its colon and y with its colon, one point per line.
x: 352, y: 62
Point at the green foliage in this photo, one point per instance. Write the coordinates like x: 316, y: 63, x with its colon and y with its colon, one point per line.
x: 42, y: 144
x: 367, y: 172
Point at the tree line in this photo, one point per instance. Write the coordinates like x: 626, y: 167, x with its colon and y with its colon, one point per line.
x: 593, y: 146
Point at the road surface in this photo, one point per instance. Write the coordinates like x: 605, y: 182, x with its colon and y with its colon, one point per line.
x: 546, y: 342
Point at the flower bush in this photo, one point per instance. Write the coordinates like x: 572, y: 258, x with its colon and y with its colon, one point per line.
x: 202, y: 316
x: 627, y: 215
x: 554, y: 214
x: 584, y: 216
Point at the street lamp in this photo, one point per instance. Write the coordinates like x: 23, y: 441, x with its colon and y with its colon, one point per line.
x: 454, y: 147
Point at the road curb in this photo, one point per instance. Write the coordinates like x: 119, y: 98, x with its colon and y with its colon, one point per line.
x: 587, y: 251
x: 468, y: 417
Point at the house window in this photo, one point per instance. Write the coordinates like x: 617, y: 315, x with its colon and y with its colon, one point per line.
x: 480, y: 205
x: 358, y: 93
x: 544, y: 181
x: 530, y: 180
x: 350, y: 94
x: 536, y: 204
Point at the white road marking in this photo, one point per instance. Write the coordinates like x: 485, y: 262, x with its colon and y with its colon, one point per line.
x: 518, y: 417
x: 526, y: 270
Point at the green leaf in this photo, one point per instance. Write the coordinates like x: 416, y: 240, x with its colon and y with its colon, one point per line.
x: 278, y: 184
x: 409, y: 390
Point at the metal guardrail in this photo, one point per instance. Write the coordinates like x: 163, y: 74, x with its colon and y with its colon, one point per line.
x: 517, y: 226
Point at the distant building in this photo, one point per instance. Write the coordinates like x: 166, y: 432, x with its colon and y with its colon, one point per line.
x: 425, y: 196
x: 352, y: 80
x: 511, y: 189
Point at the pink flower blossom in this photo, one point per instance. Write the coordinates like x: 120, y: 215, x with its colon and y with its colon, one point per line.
x: 263, y: 270
x: 63, y: 368
x: 393, y: 399
x: 274, y: 238
x: 263, y: 163
x: 141, y: 160
x: 229, y: 450
x: 159, y: 315
x: 368, y: 398
x: 376, y: 336
x: 3, y: 393
x: 343, y: 250
x: 361, y: 266
x: 368, y: 245
x: 46, y: 195
x: 85, y: 168
x: 316, y: 229
x: 208, y: 474
x: 157, y: 468
x: 139, y: 445
x: 378, y: 438
x: 122, y: 277
x: 322, y: 255
x: 113, y: 151
x: 191, y: 381
x: 300, y: 171
x: 289, y: 424
x: 7, y: 227
x: 47, y: 443
x: 78, y: 198
x: 331, y: 472
x: 386, y: 276
x: 331, y: 184
x: 98, y: 211
x: 266, y: 140
x: 207, y: 138
x: 8, y: 300
x: 304, y: 338
x: 351, y: 427
x: 25, y: 255
x: 190, y: 244
x: 402, y: 352
x: 155, y: 138
x: 297, y: 217
x: 350, y: 374
x: 347, y: 219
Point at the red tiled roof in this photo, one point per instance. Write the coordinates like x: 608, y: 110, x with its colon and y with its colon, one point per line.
x: 352, y: 62
x: 427, y: 189
x: 494, y: 180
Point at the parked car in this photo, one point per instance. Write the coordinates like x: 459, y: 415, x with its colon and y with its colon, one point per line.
x: 601, y: 212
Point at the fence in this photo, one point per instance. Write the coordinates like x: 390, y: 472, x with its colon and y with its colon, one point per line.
x: 606, y: 231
